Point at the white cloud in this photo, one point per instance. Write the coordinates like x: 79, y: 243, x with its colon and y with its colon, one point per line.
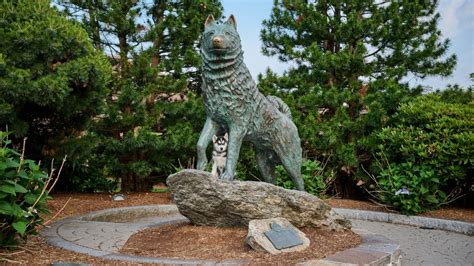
x: 466, y: 15
x: 467, y: 9
x: 450, y: 22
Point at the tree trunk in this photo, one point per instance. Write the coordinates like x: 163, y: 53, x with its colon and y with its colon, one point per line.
x: 346, y: 187
x: 123, y: 45
x: 91, y: 6
x: 158, y: 16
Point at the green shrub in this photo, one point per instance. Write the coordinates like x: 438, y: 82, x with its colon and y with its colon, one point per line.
x: 431, y: 152
x: 311, y: 172
x: 410, y: 188
x: 52, y: 80
x: 456, y: 94
x: 21, y: 198
x: 86, y: 169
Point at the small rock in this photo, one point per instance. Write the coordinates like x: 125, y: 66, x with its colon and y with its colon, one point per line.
x: 118, y: 197
x: 260, y: 242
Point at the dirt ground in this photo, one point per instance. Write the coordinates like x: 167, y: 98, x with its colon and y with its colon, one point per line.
x: 36, y: 251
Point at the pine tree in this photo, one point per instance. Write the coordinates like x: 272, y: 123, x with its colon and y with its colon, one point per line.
x: 350, y: 59
x: 153, y: 116
x: 52, y: 80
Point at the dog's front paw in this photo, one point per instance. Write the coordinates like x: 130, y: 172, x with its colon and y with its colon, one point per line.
x: 227, y: 176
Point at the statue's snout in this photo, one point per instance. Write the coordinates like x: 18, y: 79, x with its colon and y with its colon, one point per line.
x: 218, y: 42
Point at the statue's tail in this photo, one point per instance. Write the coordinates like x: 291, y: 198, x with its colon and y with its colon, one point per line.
x: 280, y: 105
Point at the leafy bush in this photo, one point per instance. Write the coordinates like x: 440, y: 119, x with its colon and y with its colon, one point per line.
x: 431, y: 153
x: 86, y: 169
x: 456, y: 94
x: 22, y: 195
x: 311, y: 172
x: 410, y: 188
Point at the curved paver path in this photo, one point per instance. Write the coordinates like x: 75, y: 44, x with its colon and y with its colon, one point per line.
x: 91, y: 234
x: 425, y: 246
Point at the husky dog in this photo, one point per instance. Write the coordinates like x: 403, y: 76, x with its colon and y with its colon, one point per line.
x: 219, y: 155
x: 234, y: 104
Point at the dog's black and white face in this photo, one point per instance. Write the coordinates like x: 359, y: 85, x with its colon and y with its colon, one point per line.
x: 220, y: 38
x: 220, y: 143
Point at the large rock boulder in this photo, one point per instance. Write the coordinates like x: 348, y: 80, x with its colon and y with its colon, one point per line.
x: 206, y: 200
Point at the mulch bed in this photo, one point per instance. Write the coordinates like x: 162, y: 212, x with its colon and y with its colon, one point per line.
x: 37, y: 251
x: 211, y: 243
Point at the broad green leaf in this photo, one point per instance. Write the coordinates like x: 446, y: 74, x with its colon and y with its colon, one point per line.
x: 6, y: 208
x: 10, y: 174
x: 20, y: 227
x: 20, y: 189
x: 10, y: 189
x: 17, y: 210
x: 423, y: 190
x: 32, y: 165
x: 23, y: 174
x: 442, y: 194
x: 30, y: 198
x: 432, y: 199
x: 11, y: 163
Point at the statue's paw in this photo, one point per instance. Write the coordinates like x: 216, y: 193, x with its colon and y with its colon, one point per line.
x: 227, y: 176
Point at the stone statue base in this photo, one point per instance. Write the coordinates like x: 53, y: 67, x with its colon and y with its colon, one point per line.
x: 205, y: 200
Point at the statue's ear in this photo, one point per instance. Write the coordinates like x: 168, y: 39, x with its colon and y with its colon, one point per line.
x: 232, y: 21
x: 214, y: 139
x: 226, y: 137
x: 209, y: 20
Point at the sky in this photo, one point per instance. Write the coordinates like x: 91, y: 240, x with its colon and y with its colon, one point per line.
x: 457, y: 24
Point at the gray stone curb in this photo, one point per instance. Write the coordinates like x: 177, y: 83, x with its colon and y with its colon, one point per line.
x: 54, y: 238
x: 424, y: 222
x: 374, y: 250
x: 93, y: 235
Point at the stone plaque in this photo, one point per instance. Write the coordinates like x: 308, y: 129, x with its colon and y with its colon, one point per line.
x: 282, y: 238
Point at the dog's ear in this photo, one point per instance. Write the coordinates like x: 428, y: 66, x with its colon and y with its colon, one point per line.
x: 210, y: 19
x: 226, y: 137
x: 214, y: 139
x: 232, y: 21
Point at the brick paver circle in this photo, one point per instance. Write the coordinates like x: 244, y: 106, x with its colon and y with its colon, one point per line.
x: 104, y: 233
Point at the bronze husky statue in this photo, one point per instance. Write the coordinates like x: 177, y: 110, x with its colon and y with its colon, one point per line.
x: 234, y: 104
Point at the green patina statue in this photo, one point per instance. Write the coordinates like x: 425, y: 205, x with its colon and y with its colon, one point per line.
x: 234, y: 105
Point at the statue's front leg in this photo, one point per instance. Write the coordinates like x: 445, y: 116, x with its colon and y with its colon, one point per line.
x: 205, y: 138
x: 236, y: 136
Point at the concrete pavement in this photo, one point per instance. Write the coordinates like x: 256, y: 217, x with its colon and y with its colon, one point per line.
x: 425, y: 246
x: 104, y: 233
